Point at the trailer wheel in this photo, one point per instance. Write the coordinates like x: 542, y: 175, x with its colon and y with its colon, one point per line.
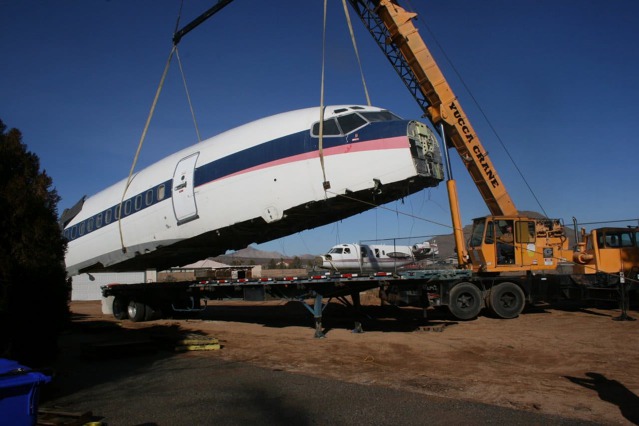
x: 136, y: 311
x: 120, y: 311
x: 465, y: 301
x: 507, y: 300
x: 150, y: 312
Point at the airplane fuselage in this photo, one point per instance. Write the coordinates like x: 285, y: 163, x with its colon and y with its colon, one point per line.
x: 254, y: 183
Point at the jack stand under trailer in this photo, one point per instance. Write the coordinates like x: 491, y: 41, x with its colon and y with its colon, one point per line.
x: 624, y: 300
x: 316, y: 311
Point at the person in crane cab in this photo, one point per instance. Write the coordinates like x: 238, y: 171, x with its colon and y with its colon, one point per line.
x: 505, y: 247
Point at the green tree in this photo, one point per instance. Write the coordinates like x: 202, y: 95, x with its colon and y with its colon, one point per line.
x: 34, y: 290
x: 296, y: 263
x: 272, y: 264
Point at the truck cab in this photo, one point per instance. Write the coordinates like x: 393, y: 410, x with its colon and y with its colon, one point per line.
x: 610, y: 250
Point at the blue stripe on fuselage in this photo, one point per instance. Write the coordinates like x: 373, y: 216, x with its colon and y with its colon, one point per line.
x: 289, y: 146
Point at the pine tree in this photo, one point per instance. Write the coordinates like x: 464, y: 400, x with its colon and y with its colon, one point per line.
x: 34, y: 290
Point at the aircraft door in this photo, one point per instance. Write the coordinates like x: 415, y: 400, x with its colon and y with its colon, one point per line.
x: 183, y: 196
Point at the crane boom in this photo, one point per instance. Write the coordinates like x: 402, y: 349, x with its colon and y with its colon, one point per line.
x: 392, y: 28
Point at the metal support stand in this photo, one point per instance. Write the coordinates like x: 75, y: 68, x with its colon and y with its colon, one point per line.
x: 356, y: 307
x: 316, y: 311
x: 624, y: 300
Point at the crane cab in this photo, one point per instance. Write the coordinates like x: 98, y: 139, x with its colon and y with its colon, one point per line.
x: 513, y: 244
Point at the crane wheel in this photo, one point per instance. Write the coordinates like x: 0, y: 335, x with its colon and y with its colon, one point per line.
x: 506, y: 300
x: 465, y: 301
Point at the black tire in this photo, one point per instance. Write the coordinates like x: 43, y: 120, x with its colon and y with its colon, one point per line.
x: 465, y: 301
x: 136, y: 311
x: 506, y: 300
x: 119, y: 307
x: 150, y: 313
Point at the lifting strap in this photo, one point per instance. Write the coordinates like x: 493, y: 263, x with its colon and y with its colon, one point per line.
x: 326, y: 184
x: 137, y: 154
x: 188, y: 96
x: 359, y: 62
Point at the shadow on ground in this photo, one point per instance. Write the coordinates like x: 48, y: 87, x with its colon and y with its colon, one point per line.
x: 94, y: 352
x: 613, y: 392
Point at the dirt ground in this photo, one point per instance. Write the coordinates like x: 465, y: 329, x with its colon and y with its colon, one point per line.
x: 572, y: 361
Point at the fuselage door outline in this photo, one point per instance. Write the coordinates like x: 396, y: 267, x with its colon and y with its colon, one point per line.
x: 183, y: 194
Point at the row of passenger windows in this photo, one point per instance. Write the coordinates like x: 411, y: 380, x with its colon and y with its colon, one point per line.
x: 105, y: 217
x: 345, y: 124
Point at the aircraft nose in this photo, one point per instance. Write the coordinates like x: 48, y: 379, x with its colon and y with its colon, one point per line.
x: 321, y: 261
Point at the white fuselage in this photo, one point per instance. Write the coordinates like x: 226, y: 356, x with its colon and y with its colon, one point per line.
x: 365, y: 258
x: 240, y: 186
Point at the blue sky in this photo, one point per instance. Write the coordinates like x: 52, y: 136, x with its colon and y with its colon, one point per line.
x: 556, y: 79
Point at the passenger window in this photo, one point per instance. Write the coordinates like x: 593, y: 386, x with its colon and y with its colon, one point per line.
x: 330, y: 128
x: 138, y: 202
x: 74, y: 231
x: 98, y: 220
x: 90, y: 225
x: 350, y: 122
x: 107, y: 216
x: 82, y: 228
x: 347, y: 251
x: 149, y: 197
x: 127, y: 207
x: 161, y: 192
x: 116, y: 214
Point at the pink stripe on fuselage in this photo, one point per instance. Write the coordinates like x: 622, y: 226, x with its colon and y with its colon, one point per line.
x: 398, y: 142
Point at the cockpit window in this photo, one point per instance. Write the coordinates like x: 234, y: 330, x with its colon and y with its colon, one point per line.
x: 380, y: 116
x: 350, y: 122
x: 330, y: 128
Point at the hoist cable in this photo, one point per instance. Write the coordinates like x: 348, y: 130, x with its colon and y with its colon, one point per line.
x: 188, y: 96
x: 492, y: 128
x: 137, y: 154
x: 359, y: 62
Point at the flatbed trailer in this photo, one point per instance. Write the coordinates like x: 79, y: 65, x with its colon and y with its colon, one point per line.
x: 465, y: 293
x: 146, y: 301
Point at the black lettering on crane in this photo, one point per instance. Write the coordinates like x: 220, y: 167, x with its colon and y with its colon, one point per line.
x: 482, y: 158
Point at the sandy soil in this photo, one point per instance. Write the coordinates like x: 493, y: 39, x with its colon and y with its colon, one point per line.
x: 565, y: 360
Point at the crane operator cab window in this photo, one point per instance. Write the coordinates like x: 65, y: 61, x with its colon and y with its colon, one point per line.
x: 505, y: 241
